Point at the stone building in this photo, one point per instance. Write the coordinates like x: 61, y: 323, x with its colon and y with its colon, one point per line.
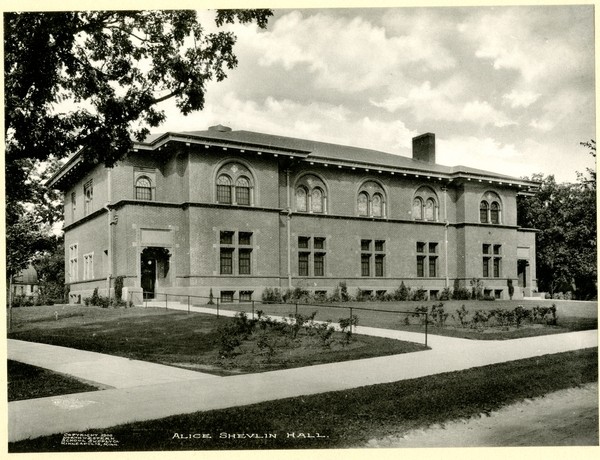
x: 239, y: 211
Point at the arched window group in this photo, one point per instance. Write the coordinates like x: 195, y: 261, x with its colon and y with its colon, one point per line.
x: 490, y: 211
x: 235, y: 185
x: 310, y: 194
x: 371, y: 200
x: 425, y: 205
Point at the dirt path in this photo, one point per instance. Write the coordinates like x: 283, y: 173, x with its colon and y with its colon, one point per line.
x: 563, y: 418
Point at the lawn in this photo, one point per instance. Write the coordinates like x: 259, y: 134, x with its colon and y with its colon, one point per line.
x: 572, y: 316
x: 350, y: 418
x: 29, y: 382
x: 192, y: 341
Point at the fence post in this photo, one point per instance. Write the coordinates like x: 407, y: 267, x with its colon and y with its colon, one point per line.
x: 217, y: 307
x: 296, y: 308
x: 253, y: 309
x: 351, y: 326
x: 166, y: 301
x: 188, y: 304
x: 426, y: 323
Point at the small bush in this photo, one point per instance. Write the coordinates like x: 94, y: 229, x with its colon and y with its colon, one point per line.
x: 462, y: 314
x: 446, y: 294
x: 419, y: 295
x: 271, y: 295
x: 346, y: 325
x: 211, y: 297
x: 344, y: 292
x: 420, y: 313
x: 119, y: 287
x: 95, y: 299
x: 402, y: 293
x: 438, y: 315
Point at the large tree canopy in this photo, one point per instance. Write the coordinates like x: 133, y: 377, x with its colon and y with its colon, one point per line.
x: 565, y: 215
x: 93, y: 80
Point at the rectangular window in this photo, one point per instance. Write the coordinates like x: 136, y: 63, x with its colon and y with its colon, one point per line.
x: 226, y: 261
x: 379, y: 245
x: 319, y: 243
x: 433, y: 295
x: 226, y: 238
x: 245, y: 238
x: 498, y: 294
x: 365, y: 245
x: 486, y: 267
x: 432, y: 248
x: 242, y: 195
x: 497, y: 249
x: 319, y: 262
x: 224, y: 194
x: 227, y: 296
x: 88, y: 196
x: 421, y: 266
x: 432, y: 267
x: 244, y: 261
x: 303, y: 242
x: 73, y: 205
x: 496, y: 267
x: 365, y: 264
x: 303, y: 264
x: 88, y: 266
x: 246, y: 296
x: 73, y: 263
x: 379, y: 265
x: 420, y: 246
x: 486, y: 248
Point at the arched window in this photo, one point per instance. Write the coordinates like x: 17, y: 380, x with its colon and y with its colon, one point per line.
x: 495, y: 213
x: 418, y: 209
x: 490, y: 209
x: 430, y: 209
x: 224, y: 189
x: 235, y: 185
x: 316, y: 204
x: 242, y: 191
x: 483, y: 212
x: 143, y: 189
x: 377, y: 205
x: 371, y: 200
x: 363, y: 204
x: 311, y: 194
x: 301, y: 199
x: 425, y: 204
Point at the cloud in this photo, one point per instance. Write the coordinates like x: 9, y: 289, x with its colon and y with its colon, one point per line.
x: 445, y: 103
x: 345, y: 54
x: 523, y: 98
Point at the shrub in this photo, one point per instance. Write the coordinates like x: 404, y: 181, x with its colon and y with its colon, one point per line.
x: 504, y: 318
x: 446, y: 294
x: 511, y: 288
x: 521, y: 314
x: 95, y: 299
x: 344, y: 292
x: 66, y: 292
x: 476, y: 289
x: 211, y: 297
x: 420, y: 313
x: 402, y: 293
x: 419, y: 295
x: 488, y: 297
x: 438, y: 315
x: 325, y: 333
x: 119, y: 287
x: 480, y: 319
x: 462, y: 314
x: 460, y: 293
x: 346, y: 325
x: 271, y: 295
x: 363, y: 296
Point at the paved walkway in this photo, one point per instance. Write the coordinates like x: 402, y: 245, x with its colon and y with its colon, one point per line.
x: 103, y: 409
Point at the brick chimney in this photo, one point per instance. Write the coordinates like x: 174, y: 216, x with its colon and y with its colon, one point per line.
x: 424, y: 148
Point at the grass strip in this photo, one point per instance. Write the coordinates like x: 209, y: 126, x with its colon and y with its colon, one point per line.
x: 28, y: 382
x: 349, y: 418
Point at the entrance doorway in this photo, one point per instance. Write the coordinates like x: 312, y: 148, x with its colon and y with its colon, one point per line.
x: 154, y: 269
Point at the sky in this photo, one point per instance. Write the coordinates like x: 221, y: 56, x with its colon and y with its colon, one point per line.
x: 505, y: 89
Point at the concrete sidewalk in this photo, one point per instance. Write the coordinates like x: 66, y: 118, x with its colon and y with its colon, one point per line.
x: 103, y: 409
x: 97, y: 368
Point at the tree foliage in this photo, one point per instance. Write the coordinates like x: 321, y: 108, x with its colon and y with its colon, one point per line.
x: 565, y: 215
x: 92, y: 80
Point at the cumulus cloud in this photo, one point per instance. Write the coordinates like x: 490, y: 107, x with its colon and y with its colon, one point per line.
x: 522, y: 98
x: 345, y: 54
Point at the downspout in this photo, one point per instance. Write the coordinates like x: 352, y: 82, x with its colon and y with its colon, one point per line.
x: 109, y: 229
x: 445, y: 190
x: 289, y: 228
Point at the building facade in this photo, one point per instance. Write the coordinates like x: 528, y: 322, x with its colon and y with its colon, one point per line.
x: 236, y: 212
